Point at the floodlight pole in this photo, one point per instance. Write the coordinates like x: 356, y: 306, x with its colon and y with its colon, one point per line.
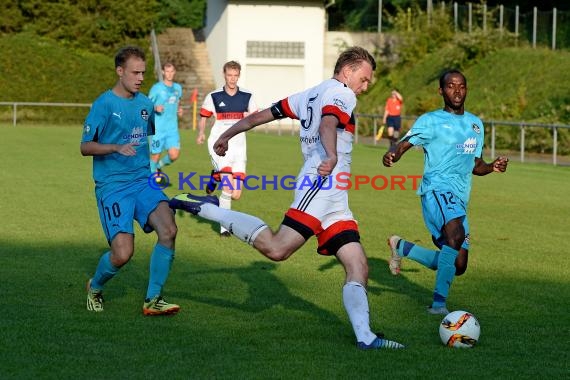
x: 379, y: 17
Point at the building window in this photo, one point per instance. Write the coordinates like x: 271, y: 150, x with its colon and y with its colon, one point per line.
x: 275, y: 49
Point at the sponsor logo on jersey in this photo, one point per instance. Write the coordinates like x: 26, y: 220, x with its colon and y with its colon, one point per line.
x: 340, y: 104
x: 136, y: 135
x: 309, y: 139
x: 87, y: 128
x: 468, y: 147
x: 476, y: 128
x: 144, y: 114
x: 229, y: 116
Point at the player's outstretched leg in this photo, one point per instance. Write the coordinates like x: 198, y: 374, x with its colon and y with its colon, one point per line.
x: 400, y: 248
x: 192, y: 203
x: 243, y: 226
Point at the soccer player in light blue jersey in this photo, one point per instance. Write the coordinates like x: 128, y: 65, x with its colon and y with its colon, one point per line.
x: 116, y: 134
x: 452, y: 140
x: 166, y: 96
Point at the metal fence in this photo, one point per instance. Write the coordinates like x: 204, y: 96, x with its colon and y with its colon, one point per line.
x: 544, y: 28
x: 494, y: 125
x: 18, y: 105
x: 291, y: 127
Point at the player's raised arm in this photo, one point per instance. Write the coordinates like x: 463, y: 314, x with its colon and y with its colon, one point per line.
x: 245, y: 124
x: 327, y: 131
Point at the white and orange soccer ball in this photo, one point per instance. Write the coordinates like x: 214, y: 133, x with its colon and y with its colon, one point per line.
x: 459, y: 329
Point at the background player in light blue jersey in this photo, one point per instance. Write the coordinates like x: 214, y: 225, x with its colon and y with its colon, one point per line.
x: 116, y: 134
x: 166, y: 96
x: 452, y: 140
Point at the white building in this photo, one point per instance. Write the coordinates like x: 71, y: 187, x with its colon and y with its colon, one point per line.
x: 280, y: 44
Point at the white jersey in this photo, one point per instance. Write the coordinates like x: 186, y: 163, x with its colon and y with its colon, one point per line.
x: 331, y: 97
x: 327, y: 202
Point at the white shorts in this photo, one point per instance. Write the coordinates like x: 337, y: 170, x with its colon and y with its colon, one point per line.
x: 236, y: 156
x: 327, y: 199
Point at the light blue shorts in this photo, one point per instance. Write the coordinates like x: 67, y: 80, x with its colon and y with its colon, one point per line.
x: 438, y: 208
x: 119, y: 208
x: 164, y: 141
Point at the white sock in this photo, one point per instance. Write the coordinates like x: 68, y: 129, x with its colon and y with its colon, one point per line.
x: 225, y: 203
x: 245, y: 227
x: 356, y: 304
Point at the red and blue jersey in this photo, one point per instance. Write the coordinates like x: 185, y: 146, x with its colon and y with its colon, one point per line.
x: 226, y: 108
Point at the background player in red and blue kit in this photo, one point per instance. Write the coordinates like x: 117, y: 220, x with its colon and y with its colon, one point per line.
x: 227, y: 105
x: 116, y: 134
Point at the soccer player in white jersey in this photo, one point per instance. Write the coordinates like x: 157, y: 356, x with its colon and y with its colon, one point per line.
x: 327, y: 128
x: 452, y: 140
x: 227, y: 105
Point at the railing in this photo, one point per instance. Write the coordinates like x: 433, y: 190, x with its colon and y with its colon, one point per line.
x: 547, y: 28
x: 494, y: 124
x: 15, y: 105
x: 292, y: 127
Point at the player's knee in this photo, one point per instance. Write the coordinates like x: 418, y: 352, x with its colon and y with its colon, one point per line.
x: 456, y: 241
x: 167, y: 233
x: 276, y: 253
x: 174, y: 156
x: 171, y: 232
x: 120, y: 257
x: 460, y: 269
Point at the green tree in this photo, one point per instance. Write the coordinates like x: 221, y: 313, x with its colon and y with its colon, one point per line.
x: 184, y: 13
x: 99, y: 25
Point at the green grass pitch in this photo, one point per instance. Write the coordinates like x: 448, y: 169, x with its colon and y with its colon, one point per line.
x: 246, y: 317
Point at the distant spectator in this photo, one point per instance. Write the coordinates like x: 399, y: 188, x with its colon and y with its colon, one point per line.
x: 393, y: 116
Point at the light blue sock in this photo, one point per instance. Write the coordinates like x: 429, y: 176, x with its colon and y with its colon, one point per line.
x: 164, y: 161
x: 160, y: 262
x: 153, y: 166
x: 444, y: 275
x: 427, y: 257
x: 104, y: 272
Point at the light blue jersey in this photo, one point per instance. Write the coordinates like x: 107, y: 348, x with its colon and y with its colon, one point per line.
x: 450, y: 143
x: 169, y: 97
x: 117, y: 120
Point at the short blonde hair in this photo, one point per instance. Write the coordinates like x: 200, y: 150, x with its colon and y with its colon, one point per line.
x: 232, y: 65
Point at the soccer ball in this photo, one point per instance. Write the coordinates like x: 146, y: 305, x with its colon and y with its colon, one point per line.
x: 459, y: 329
